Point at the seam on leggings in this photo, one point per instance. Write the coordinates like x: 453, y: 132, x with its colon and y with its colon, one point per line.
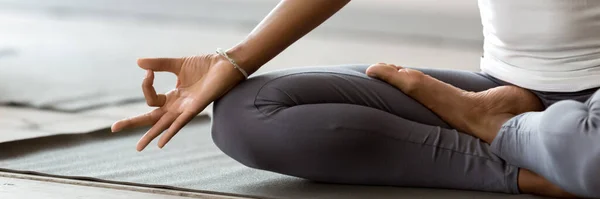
x: 431, y: 145
x: 404, y: 140
x: 508, y: 185
x: 395, y: 138
x: 287, y: 94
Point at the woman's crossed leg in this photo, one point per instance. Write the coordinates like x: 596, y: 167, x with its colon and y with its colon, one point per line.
x: 336, y: 124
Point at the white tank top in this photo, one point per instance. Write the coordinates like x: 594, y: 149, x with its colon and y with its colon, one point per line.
x: 544, y: 45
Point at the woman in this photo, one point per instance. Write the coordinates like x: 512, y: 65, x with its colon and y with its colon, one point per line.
x: 534, y: 108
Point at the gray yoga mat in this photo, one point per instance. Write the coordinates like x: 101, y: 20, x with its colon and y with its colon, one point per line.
x: 189, y: 162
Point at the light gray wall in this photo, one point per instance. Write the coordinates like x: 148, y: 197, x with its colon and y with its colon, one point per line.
x: 449, y: 21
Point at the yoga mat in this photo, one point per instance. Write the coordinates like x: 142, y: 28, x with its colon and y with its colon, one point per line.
x: 189, y: 162
x: 19, y: 123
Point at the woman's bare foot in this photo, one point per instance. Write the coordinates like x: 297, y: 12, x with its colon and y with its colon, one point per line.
x: 480, y: 114
x: 531, y: 183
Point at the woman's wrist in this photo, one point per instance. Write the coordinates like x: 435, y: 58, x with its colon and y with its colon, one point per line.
x: 233, y: 62
x: 244, y: 58
x: 227, y: 69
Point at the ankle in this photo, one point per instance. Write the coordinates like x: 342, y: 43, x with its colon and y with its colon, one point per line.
x: 484, y: 118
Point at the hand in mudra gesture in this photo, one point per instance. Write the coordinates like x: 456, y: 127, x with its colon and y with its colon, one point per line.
x: 200, y: 81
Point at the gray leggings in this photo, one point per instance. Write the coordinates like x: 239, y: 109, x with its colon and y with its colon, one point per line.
x: 336, y: 125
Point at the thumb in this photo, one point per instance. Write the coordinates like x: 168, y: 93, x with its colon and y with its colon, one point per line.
x: 172, y: 65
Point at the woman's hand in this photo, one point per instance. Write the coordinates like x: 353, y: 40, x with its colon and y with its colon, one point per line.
x: 200, y: 81
x: 203, y: 79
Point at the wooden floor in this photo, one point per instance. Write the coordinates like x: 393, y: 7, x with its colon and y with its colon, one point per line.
x: 20, y: 186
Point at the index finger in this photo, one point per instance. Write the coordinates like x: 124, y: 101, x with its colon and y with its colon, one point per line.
x: 145, y: 119
x: 172, y: 65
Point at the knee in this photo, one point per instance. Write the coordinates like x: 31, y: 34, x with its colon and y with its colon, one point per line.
x: 569, y: 117
x: 568, y: 130
x: 236, y: 125
x: 243, y: 124
x: 250, y: 123
x: 563, y: 126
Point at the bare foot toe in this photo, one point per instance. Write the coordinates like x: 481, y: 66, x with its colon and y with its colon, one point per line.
x: 404, y: 79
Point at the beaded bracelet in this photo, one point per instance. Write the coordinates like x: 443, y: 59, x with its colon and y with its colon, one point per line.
x: 235, y: 65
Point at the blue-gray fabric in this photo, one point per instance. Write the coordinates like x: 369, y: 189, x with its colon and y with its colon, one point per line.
x: 560, y: 143
x: 335, y: 124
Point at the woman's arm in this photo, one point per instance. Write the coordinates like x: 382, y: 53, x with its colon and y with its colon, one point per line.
x: 202, y: 79
x: 288, y: 22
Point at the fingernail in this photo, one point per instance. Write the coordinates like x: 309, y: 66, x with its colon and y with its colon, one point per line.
x: 370, y: 73
x: 114, y: 129
x: 148, y: 73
